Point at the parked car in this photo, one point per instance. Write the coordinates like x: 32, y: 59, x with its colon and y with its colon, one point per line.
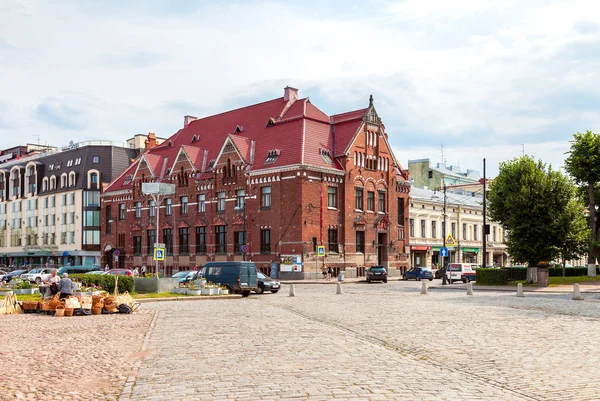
x: 266, y: 283
x: 77, y: 270
x: 238, y: 277
x: 418, y: 273
x: 190, y: 275
x: 96, y: 272
x: 2, y: 273
x: 120, y: 272
x: 15, y: 273
x: 377, y: 273
x: 37, y: 275
x: 464, y: 272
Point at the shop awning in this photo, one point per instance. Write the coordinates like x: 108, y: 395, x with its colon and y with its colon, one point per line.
x: 473, y: 250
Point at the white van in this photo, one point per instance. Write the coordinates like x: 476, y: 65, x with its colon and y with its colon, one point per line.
x: 464, y: 272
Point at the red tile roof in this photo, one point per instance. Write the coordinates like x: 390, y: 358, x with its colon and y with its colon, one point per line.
x: 303, y: 135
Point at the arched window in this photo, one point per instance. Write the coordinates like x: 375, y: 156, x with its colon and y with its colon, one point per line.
x: 354, y: 160
x: 52, y: 183
x: 63, y: 180
x: 45, y: 184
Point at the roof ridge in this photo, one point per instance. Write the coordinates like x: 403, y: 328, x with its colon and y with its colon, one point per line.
x: 233, y: 110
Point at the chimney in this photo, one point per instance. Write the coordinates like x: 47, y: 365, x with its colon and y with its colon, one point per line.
x: 188, y: 119
x: 290, y: 94
x: 150, y: 142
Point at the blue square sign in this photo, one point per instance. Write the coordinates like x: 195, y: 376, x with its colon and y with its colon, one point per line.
x: 444, y: 252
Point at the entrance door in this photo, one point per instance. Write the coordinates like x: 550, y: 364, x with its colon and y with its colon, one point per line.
x: 381, y: 248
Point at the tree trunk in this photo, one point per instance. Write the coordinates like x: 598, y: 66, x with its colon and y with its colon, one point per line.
x: 564, y: 266
x: 531, y: 275
x: 591, y: 258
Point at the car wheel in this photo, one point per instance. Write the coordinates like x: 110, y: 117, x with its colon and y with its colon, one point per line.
x: 245, y: 293
x: 38, y: 281
x: 385, y: 281
x: 465, y: 280
x: 231, y: 291
x: 430, y: 279
x: 418, y: 278
x: 404, y: 277
x: 274, y: 291
x: 259, y: 290
x: 368, y: 281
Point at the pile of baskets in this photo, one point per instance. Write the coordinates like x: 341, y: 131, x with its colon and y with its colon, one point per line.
x: 82, y: 305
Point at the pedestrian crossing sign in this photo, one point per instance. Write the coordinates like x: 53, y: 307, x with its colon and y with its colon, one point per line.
x: 159, y: 254
x: 320, y: 250
x: 450, y: 240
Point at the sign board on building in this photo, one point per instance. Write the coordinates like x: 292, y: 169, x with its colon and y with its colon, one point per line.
x: 290, y: 263
x: 6, y: 157
x: 320, y: 250
x: 159, y: 254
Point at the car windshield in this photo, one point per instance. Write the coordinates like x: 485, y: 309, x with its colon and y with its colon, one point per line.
x: 260, y: 275
x: 377, y: 268
x: 454, y: 268
x: 180, y: 274
x: 426, y: 270
x: 36, y: 271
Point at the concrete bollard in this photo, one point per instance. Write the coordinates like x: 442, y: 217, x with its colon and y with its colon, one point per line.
x: 520, y: 290
x: 576, y: 293
x: 423, y: 288
x: 292, y: 290
x: 339, y: 289
x: 469, y: 288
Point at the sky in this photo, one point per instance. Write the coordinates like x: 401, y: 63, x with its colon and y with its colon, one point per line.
x: 454, y: 81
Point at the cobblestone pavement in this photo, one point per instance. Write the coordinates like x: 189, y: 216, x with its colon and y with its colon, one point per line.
x: 374, y: 342
x: 69, y: 358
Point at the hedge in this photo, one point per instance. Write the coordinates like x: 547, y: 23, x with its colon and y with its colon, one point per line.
x: 520, y: 273
x: 106, y: 281
x: 491, y: 276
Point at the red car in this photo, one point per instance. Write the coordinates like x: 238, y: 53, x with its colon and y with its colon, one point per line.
x: 120, y: 272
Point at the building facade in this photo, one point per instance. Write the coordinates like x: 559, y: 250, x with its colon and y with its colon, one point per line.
x: 464, y: 220
x: 423, y: 175
x: 271, y: 183
x: 50, y: 203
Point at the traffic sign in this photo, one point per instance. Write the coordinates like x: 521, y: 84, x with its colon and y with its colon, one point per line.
x: 320, y: 250
x: 244, y: 248
x: 444, y: 252
x: 450, y: 240
x: 159, y: 254
x: 116, y: 252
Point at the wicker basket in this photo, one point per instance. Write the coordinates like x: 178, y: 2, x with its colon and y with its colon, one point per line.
x: 96, y: 311
x: 29, y: 305
x: 69, y: 312
x: 60, y: 310
x: 46, y: 306
x: 96, y: 299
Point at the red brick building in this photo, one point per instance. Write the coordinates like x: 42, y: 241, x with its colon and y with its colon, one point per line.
x: 269, y: 183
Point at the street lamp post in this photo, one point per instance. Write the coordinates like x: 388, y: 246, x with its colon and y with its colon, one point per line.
x: 116, y: 241
x: 435, y: 196
x: 158, y: 191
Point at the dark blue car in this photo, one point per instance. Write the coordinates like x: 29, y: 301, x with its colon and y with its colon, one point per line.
x: 418, y: 273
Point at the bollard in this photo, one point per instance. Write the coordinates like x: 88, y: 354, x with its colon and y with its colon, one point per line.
x: 469, y: 288
x: 423, y: 288
x: 576, y: 294
x: 339, y: 289
x: 292, y: 290
x: 520, y: 290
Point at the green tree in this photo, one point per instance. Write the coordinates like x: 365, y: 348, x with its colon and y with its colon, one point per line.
x: 531, y: 201
x: 583, y: 164
x: 577, y: 240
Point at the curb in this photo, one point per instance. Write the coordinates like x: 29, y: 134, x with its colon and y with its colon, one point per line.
x: 192, y: 298
x: 531, y: 291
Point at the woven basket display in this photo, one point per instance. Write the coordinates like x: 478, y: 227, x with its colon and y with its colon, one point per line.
x: 69, y: 312
x: 60, y: 310
x: 96, y: 311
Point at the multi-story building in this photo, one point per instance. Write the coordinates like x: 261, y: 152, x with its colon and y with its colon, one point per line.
x: 50, y: 202
x: 270, y: 183
x: 464, y: 220
x: 423, y: 175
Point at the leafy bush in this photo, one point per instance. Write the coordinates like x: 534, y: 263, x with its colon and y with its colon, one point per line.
x: 516, y: 273
x: 570, y: 271
x: 491, y: 276
x: 105, y: 281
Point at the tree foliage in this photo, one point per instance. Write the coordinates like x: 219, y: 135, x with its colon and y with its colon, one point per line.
x: 583, y: 164
x: 533, y: 203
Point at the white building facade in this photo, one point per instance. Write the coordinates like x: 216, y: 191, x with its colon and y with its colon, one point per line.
x: 464, y: 222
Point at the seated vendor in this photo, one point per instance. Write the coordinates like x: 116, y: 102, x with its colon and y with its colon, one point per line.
x: 52, y: 284
x: 65, y: 286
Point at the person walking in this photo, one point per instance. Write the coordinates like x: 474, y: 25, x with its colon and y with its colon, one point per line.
x: 106, y: 268
x: 136, y: 272
x: 65, y: 286
x: 143, y: 271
